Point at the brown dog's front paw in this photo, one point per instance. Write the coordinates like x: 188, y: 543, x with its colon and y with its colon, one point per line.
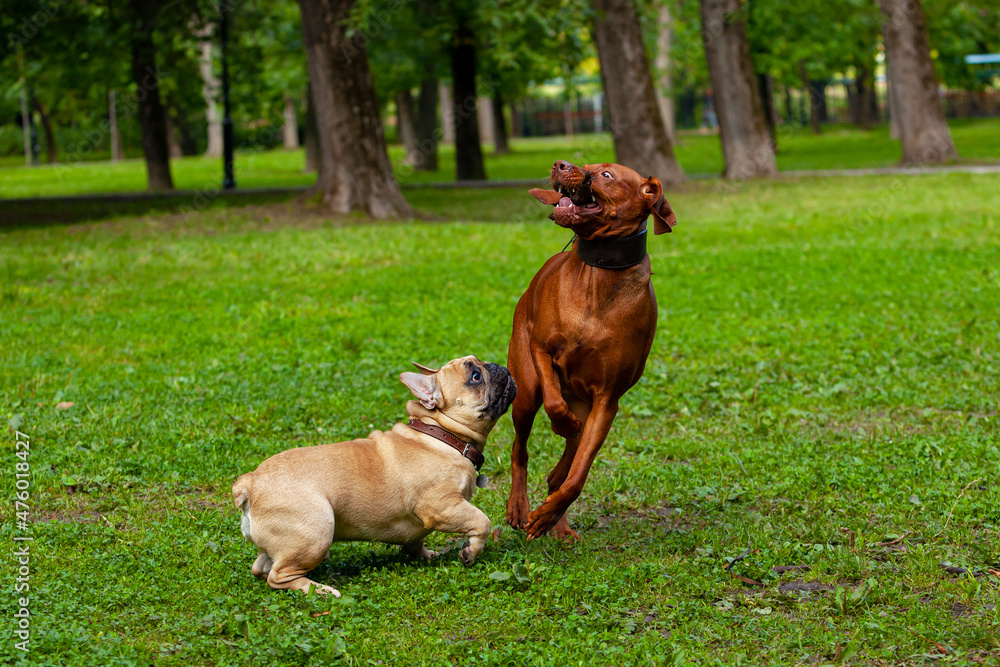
x: 566, y: 425
x: 542, y: 521
x: 517, y: 511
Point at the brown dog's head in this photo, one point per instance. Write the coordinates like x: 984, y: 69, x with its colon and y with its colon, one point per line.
x: 467, y: 391
x: 605, y: 200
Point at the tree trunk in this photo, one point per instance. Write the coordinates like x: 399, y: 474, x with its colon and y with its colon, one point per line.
x: 891, y: 103
x: 354, y: 168
x: 290, y: 129
x: 922, y: 125
x: 765, y: 84
x: 863, y: 94
x: 173, y: 146
x: 812, y: 94
x: 447, y: 114
x: 468, y: 151
x: 152, y: 115
x: 568, y: 117
x: 664, y: 91
x: 641, y: 140
x: 26, y: 126
x: 116, y: 137
x: 184, y: 137
x: 311, y: 133
x: 501, y: 146
x: 426, y: 126
x: 210, y: 92
x: 746, y: 145
x: 51, y: 150
x: 405, y: 125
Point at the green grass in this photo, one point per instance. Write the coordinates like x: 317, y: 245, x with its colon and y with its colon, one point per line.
x: 838, y: 147
x: 823, y: 390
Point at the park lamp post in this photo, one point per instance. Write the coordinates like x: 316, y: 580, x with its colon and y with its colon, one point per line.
x: 228, y: 181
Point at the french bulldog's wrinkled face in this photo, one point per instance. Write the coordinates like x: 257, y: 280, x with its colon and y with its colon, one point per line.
x: 471, y: 392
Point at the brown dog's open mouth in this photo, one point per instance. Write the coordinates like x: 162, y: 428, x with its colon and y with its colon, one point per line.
x: 574, y: 202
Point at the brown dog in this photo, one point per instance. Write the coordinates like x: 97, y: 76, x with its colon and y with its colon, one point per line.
x: 583, y: 329
x: 394, y: 486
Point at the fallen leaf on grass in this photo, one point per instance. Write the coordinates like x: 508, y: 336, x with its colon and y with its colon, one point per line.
x: 317, y: 614
x: 64, y: 405
x: 748, y: 580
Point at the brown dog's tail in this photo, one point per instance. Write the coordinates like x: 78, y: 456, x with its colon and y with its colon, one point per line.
x: 241, y: 492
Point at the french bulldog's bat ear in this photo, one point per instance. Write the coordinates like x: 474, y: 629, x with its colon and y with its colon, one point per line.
x: 550, y: 197
x: 424, y: 369
x: 663, y: 216
x: 424, y: 387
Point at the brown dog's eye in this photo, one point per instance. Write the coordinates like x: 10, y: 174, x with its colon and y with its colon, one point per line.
x: 607, y: 174
x: 476, y: 377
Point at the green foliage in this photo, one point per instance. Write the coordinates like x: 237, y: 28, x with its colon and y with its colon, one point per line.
x: 959, y: 28
x: 826, y: 352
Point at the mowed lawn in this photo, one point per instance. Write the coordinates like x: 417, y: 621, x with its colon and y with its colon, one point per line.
x: 822, y: 393
x: 838, y: 147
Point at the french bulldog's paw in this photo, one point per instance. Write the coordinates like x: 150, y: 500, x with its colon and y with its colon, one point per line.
x: 426, y: 554
x: 517, y: 511
x: 323, y: 589
x: 467, y: 556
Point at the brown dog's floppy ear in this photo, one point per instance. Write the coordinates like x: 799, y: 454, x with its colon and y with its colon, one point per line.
x: 424, y: 387
x: 424, y: 369
x: 663, y: 216
x: 550, y: 197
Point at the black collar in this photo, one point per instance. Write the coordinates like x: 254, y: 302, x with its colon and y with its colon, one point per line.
x: 613, y: 253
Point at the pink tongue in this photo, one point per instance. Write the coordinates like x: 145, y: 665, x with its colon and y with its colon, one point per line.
x: 565, y: 201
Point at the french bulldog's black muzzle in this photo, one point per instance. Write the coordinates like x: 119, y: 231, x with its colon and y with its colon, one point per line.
x: 502, y: 390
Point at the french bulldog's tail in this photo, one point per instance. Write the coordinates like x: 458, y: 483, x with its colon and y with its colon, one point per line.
x: 241, y: 492
x: 241, y: 497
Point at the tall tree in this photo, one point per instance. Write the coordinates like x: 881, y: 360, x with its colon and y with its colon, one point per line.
x: 746, y: 144
x: 406, y: 128
x: 501, y: 147
x: 426, y: 125
x: 347, y: 116
x: 468, y: 151
x: 152, y: 114
x: 664, y: 43
x: 640, y: 137
x: 923, y: 129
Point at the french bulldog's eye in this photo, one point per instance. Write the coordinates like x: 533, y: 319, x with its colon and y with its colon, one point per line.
x: 476, y: 377
x: 607, y: 174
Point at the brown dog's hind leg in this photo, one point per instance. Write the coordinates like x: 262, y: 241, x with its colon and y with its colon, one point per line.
x: 562, y: 531
x: 523, y: 411
x: 545, y: 517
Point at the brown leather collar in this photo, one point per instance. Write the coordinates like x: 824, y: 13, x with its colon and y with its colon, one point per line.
x: 466, y: 449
